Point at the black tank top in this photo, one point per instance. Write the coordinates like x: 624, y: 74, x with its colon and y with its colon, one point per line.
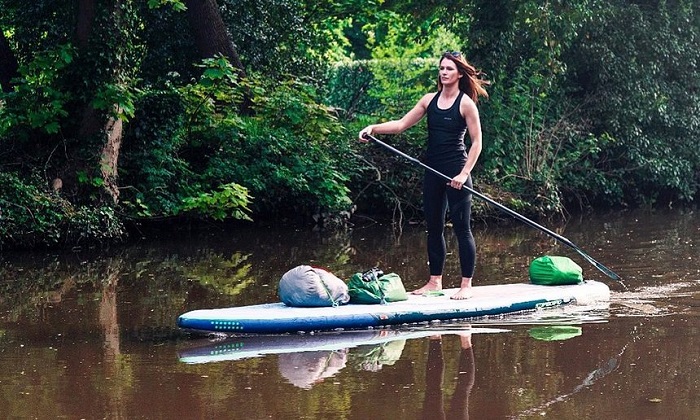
x: 446, y: 130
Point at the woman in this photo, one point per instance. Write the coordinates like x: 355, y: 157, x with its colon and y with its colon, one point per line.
x: 451, y: 113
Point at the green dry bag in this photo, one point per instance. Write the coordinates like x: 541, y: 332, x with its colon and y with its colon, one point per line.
x: 552, y: 271
x: 365, y: 289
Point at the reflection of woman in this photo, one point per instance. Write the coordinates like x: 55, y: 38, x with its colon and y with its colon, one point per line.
x: 433, y: 405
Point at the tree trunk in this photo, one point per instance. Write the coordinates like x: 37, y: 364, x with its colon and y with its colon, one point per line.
x: 110, y: 157
x: 8, y: 64
x: 86, y: 18
x: 93, y: 121
x: 212, y: 37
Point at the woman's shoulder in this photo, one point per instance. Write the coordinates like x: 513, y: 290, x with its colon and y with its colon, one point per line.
x: 428, y: 98
x: 467, y: 107
x: 465, y: 97
x: 466, y: 102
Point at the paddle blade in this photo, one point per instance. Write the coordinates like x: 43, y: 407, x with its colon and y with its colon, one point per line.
x: 605, y: 270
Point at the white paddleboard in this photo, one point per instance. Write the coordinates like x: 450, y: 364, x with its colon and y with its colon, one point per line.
x: 274, y: 318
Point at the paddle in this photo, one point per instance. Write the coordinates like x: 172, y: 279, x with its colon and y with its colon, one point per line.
x: 608, y: 272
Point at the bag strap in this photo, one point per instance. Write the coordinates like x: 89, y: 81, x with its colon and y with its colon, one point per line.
x: 371, y: 275
x: 382, y: 295
x: 334, y: 302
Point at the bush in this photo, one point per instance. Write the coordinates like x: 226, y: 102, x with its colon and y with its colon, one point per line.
x: 194, y: 154
x: 31, y: 216
x: 292, y: 156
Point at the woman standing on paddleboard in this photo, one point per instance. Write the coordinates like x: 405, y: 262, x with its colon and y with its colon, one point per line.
x: 451, y: 113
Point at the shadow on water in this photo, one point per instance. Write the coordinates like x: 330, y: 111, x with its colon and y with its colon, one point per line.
x: 93, y: 334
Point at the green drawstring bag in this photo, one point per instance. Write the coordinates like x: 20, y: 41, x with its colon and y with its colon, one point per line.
x: 375, y: 287
x: 553, y: 271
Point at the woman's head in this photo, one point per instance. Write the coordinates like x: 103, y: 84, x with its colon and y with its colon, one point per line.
x: 471, y: 82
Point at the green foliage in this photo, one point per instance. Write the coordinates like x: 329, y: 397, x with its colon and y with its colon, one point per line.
x: 277, y: 37
x: 216, y: 95
x: 30, y: 216
x: 116, y: 100
x: 38, y: 102
x: 531, y: 140
x: 533, y: 135
x: 231, y: 201
x: 641, y: 84
x: 617, y: 101
x: 346, y: 87
x: 151, y: 169
x: 162, y: 169
x: 387, y: 88
x: 85, y: 178
x: 177, y: 5
x: 93, y: 225
x: 291, y: 155
x: 386, y: 185
x: 400, y: 83
x: 168, y: 58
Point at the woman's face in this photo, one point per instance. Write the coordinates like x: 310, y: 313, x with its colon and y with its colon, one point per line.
x: 448, y: 72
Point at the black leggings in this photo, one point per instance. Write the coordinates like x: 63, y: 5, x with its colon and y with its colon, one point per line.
x: 437, y: 195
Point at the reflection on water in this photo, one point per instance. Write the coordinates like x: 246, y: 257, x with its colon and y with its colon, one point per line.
x: 604, y: 369
x: 434, y: 398
x: 93, y: 335
x: 374, y: 344
x: 306, y: 369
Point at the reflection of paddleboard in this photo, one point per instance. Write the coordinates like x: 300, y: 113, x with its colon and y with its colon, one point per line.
x: 235, y: 348
x: 486, y: 300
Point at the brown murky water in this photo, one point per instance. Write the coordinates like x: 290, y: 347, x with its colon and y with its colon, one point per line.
x: 91, y: 335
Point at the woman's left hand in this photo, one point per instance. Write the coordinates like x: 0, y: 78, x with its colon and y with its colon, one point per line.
x: 458, y: 181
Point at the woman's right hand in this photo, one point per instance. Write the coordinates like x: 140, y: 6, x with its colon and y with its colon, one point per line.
x: 364, y: 132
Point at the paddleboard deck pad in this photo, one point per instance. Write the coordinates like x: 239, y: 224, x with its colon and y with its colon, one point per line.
x: 273, y: 318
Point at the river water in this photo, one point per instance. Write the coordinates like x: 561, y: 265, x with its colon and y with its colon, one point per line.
x: 92, y: 334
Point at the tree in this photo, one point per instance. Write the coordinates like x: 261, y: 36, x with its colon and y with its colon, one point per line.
x: 107, y: 107
x: 640, y: 82
x: 212, y: 38
x: 8, y: 64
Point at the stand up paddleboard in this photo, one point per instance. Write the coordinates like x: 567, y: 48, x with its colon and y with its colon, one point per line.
x: 273, y: 318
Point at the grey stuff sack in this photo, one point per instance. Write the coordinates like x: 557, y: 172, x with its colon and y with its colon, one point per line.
x: 307, y: 286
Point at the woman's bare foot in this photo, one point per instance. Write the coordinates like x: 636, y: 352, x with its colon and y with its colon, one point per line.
x: 465, y: 290
x: 433, y: 285
x: 465, y: 340
x: 463, y: 293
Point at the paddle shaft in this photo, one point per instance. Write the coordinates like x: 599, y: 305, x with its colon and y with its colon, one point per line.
x: 503, y: 208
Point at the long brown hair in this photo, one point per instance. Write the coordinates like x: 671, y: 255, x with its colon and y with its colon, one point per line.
x: 471, y: 81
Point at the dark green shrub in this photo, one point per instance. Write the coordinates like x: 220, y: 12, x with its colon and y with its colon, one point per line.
x: 292, y: 155
x: 31, y: 216
x: 152, y: 171
x: 641, y: 87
